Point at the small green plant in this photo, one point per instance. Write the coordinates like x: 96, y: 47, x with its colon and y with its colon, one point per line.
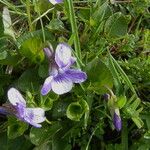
x: 82, y: 69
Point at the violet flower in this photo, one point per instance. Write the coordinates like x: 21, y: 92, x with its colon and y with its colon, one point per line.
x: 117, y: 120
x: 54, y: 2
x: 17, y: 107
x: 106, y: 96
x: 61, y: 77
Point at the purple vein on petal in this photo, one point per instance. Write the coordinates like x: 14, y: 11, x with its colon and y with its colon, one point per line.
x: 77, y: 76
x: 61, y: 84
x: 47, y: 85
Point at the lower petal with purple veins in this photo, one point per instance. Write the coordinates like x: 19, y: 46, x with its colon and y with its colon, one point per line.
x: 47, y: 85
x: 61, y: 84
x: 20, y: 111
x: 76, y: 76
x: 34, y: 116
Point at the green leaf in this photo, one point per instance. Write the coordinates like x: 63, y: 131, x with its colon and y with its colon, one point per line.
x: 146, y: 117
x: 42, y: 6
x: 48, y: 100
x: 38, y: 33
x: 84, y: 15
x: 3, y: 48
x: 16, y: 128
x: 56, y: 25
x: 99, y: 76
x: 33, y: 49
x: 31, y: 44
x: 84, y: 105
x: 60, y: 142
x: 115, y: 74
x: 43, y: 70
x: 132, y: 110
x: 146, y: 39
x: 135, y: 104
x: 116, y: 25
x: 76, y: 110
x: 47, y: 104
x: 60, y: 109
x: 29, y: 80
x: 119, y: 71
x: 3, y: 55
x: 121, y: 101
x: 11, y: 59
x: 139, y: 123
x: 101, y: 13
x: 8, y: 30
x: 1, y: 27
x: 147, y: 135
x: 20, y: 143
x: 44, y: 146
x: 38, y: 136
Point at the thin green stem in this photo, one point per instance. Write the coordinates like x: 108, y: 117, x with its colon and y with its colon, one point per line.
x: 45, y: 13
x: 115, y: 74
x: 87, y: 147
x: 29, y: 15
x: 124, y: 135
x: 48, y: 121
x: 89, y: 100
x: 43, y: 32
x: 13, y: 8
x: 42, y: 25
x: 71, y: 14
x: 124, y: 76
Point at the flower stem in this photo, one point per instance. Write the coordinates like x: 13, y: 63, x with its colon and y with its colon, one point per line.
x: 42, y: 26
x: 124, y: 135
x: 48, y: 121
x: 74, y: 28
x: 29, y: 15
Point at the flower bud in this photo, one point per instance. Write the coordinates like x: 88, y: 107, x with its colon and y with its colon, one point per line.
x: 117, y: 120
x: 48, y: 52
x: 106, y: 96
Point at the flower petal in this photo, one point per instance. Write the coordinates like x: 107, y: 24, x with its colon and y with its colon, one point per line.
x: 117, y: 120
x: 53, y: 70
x: 3, y: 111
x: 55, y: 1
x: 20, y: 111
x: 48, y: 52
x: 61, y: 84
x: 34, y: 116
x: 15, y: 97
x: 63, y: 55
x: 71, y: 62
x: 47, y: 85
x: 77, y: 76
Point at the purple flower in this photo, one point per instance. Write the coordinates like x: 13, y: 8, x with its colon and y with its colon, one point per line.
x: 117, y: 120
x: 106, y: 96
x: 33, y: 116
x: 54, y: 2
x: 61, y: 77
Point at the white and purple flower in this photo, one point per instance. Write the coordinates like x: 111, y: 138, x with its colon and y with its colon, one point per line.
x: 61, y: 76
x: 54, y: 2
x: 17, y: 107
